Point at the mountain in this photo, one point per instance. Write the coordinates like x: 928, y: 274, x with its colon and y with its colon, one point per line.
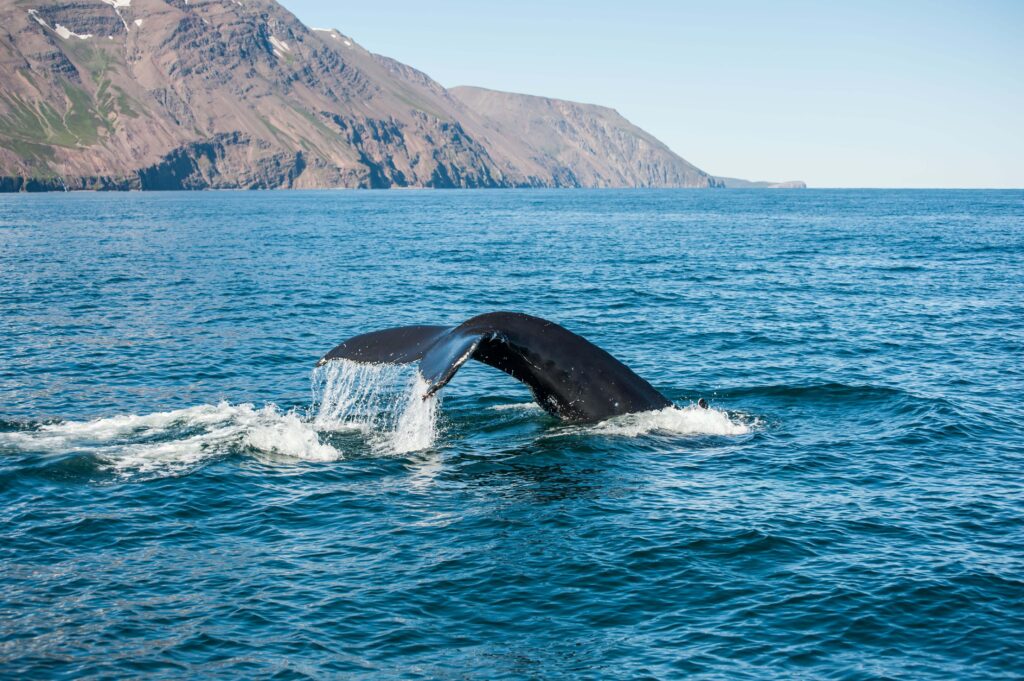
x: 173, y: 94
x: 580, y: 144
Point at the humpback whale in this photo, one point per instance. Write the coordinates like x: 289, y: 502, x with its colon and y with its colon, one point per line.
x: 570, y: 377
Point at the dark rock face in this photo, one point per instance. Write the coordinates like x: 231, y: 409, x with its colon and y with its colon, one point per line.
x: 163, y: 94
x: 193, y: 166
x: 82, y: 18
x: 452, y: 158
x: 220, y: 163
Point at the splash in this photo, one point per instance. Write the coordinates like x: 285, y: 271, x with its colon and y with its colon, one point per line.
x: 417, y: 425
x: 690, y: 420
x: 352, y: 396
x: 289, y: 436
x: 176, y: 442
x: 385, y: 401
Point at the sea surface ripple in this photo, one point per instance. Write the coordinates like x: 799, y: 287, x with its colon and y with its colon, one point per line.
x: 182, y: 496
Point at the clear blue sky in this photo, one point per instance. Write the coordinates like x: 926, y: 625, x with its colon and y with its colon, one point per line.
x: 879, y: 94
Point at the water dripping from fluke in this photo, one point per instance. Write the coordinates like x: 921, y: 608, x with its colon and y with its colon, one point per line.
x: 385, y: 402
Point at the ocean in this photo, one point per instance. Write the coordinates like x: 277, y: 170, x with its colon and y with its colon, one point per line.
x: 183, y: 496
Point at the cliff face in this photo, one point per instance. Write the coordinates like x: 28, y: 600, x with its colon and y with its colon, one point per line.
x: 172, y: 94
x: 579, y: 144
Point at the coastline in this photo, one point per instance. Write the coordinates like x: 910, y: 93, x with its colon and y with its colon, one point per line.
x: 36, y: 185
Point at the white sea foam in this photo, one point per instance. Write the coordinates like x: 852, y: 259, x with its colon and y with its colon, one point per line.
x: 691, y: 420
x: 76, y: 434
x: 385, y: 401
x: 291, y: 437
x: 517, y: 406
x: 174, y: 442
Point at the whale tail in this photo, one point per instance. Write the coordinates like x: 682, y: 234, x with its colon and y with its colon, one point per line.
x: 570, y: 377
x: 402, y: 345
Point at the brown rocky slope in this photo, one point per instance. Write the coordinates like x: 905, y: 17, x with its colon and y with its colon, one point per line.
x: 172, y: 94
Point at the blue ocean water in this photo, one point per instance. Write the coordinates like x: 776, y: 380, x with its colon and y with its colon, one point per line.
x: 181, y: 497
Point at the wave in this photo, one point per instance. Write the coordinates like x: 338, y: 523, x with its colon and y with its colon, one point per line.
x: 174, y: 442
x: 689, y: 420
x: 382, y: 404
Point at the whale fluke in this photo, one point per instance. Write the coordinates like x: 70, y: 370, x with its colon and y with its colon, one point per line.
x: 391, y: 346
x: 570, y: 377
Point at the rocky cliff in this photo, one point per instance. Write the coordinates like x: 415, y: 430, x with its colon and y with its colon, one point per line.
x: 580, y: 145
x: 173, y: 94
